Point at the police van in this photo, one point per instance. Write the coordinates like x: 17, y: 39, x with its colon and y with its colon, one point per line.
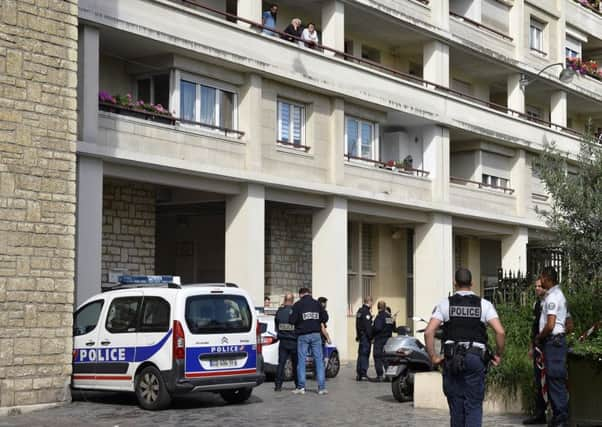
x: 157, y: 338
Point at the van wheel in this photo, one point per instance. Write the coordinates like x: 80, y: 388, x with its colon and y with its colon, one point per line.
x: 238, y: 395
x: 334, y: 365
x: 151, y: 390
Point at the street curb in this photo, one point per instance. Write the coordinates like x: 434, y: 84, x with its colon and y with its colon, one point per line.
x: 25, y: 409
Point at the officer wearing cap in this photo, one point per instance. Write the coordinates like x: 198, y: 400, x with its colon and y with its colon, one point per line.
x: 465, y: 317
x: 363, y: 330
x: 382, y: 330
x: 287, y: 347
x: 552, y: 340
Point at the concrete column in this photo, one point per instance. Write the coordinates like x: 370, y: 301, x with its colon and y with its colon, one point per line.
x: 333, y: 25
x: 558, y: 108
x: 249, y: 9
x: 520, y: 181
x: 517, y: 27
x: 437, y: 160
x: 337, y: 142
x: 433, y: 264
x: 250, y: 119
x: 89, y: 228
x: 514, y: 251
x: 440, y: 13
x: 436, y: 63
x: 329, y: 267
x: 87, y: 87
x: 473, y: 257
x: 558, y: 43
x: 516, y: 96
x: 245, y: 240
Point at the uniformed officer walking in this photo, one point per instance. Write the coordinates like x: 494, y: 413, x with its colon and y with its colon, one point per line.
x: 308, y: 316
x: 552, y: 339
x: 465, y: 317
x: 363, y: 330
x: 287, y: 347
x: 382, y: 331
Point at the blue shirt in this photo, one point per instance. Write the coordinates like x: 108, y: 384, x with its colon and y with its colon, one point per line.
x: 268, y: 21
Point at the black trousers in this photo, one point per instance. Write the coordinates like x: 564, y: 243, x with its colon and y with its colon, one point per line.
x: 379, y: 354
x: 286, y: 349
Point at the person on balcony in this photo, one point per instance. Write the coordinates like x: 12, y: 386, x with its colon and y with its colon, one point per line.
x: 294, y: 29
x: 310, y: 36
x: 268, y: 20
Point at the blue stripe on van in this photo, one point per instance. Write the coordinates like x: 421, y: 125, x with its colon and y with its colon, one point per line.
x: 193, y: 354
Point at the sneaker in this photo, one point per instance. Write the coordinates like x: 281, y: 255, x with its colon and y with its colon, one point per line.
x: 299, y: 391
x: 361, y: 378
x: 323, y: 391
x: 278, y: 388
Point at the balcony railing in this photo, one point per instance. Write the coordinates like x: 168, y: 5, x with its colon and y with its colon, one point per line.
x: 589, y: 5
x: 481, y: 26
x: 164, y: 118
x: 305, y: 148
x: 462, y: 181
x: 387, y: 166
x: 395, y: 73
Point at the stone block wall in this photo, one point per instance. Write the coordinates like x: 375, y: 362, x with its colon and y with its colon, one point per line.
x: 288, y: 252
x: 128, y: 228
x: 38, y: 122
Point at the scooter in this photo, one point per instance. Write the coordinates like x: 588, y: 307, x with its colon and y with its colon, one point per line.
x: 405, y: 355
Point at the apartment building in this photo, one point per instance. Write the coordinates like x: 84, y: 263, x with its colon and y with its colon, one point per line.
x: 373, y: 163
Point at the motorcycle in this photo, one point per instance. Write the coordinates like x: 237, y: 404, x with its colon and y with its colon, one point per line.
x: 405, y: 355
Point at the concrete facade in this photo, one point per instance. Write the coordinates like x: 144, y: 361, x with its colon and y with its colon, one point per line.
x: 38, y: 125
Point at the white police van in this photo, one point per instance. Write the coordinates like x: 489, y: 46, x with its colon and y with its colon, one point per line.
x: 157, y: 338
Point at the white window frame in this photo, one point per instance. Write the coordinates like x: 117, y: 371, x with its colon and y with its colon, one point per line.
x: 495, y: 181
x: 534, y: 112
x: 150, y: 76
x: 214, y: 84
x: 290, y: 120
x: 573, y: 45
x: 536, y: 35
x: 375, y: 137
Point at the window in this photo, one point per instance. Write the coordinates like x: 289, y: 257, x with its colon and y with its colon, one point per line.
x: 86, y: 318
x: 123, y: 315
x: 155, y: 315
x: 154, y: 89
x: 370, y: 53
x: 534, y: 113
x: 291, y: 122
x: 208, y: 104
x: 360, y: 138
x: 536, y: 35
x: 218, y: 314
x: 495, y: 181
x: 572, y: 47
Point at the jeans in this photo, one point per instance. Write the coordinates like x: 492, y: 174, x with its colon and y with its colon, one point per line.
x: 554, y: 351
x: 306, y: 342
x: 287, y: 348
x: 379, y: 353
x: 465, y: 392
x: 363, y: 356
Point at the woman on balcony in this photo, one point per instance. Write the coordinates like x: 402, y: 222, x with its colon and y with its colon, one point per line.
x: 295, y: 30
x: 310, y: 36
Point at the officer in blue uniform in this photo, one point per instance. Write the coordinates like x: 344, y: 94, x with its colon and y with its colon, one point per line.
x: 363, y: 330
x: 287, y: 347
x: 465, y: 317
x: 382, y: 331
x: 551, y: 337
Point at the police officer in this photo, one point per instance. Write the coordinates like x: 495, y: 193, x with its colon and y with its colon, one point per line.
x: 363, y: 330
x: 287, y: 347
x: 552, y: 339
x: 307, y: 316
x: 324, y: 329
x: 383, y: 330
x: 465, y: 317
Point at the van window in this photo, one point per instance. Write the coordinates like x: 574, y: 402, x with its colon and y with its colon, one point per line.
x: 86, y: 318
x: 155, y: 315
x: 123, y: 315
x: 218, y: 314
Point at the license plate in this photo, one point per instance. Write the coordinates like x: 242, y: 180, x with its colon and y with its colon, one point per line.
x: 391, y: 370
x: 223, y: 363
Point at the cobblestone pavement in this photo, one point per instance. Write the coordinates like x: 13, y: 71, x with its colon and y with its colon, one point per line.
x: 348, y: 403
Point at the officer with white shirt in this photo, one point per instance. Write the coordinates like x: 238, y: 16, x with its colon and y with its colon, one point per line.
x: 551, y: 337
x: 465, y: 317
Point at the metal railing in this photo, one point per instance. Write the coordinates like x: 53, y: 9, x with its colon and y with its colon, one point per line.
x: 385, y: 165
x: 464, y: 181
x: 481, y: 26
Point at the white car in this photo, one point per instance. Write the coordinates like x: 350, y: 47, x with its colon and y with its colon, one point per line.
x: 161, y: 339
x: 270, y: 343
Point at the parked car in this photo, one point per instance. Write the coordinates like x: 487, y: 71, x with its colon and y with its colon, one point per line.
x: 159, y: 339
x: 269, y: 342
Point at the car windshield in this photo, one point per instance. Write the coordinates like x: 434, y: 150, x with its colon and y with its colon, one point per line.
x: 216, y: 314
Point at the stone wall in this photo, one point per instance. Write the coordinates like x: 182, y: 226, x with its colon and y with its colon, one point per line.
x: 288, y: 241
x: 38, y: 122
x: 128, y: 228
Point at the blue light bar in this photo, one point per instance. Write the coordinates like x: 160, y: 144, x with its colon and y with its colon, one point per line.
x: 148, y: 280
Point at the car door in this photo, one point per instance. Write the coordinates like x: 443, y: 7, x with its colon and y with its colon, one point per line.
x: 85, y: 340
x: 154, y: 331
x: 116, y: 351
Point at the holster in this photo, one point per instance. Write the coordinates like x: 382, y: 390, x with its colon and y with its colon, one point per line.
x: 454, y: 358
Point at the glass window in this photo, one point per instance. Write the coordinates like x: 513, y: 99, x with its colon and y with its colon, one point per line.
x: 208, y: 105
x: 161, y: 90
x: 187, y: 101
x: 367, y: 138
x: 218, y: 314
x: 536, y: 35
x: 370, y: 53
x: 86, y: 318
x: 226, y: 109
x: 572, y: 47
x: 360, y: 139
x: 352, y: 137
x: 144, y: 90
x: 155, y: 315
x: 291, y: 122
x: 123, y: 315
